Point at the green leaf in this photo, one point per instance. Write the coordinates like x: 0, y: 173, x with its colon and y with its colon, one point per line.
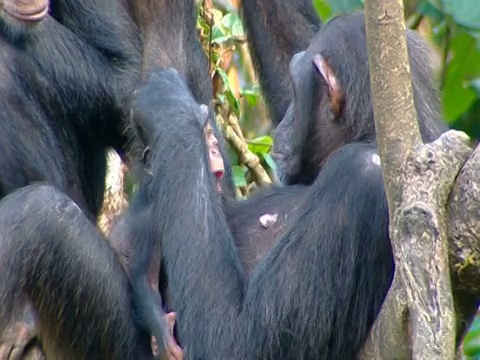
x: 232, y: 100
x: 471, y: 344
x: 260, y: 145
x: 464, y: 12
x: 250, y: 95
x: 218, y: 33
x: 239, y: 175
x: 432, y: 9
x: 269, y: 161
x: 323, y: 9
x: 437, y: 4
x: 234, y: 23
x: 458, y: 95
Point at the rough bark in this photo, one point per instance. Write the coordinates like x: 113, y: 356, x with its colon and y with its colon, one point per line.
x: 418, y: 317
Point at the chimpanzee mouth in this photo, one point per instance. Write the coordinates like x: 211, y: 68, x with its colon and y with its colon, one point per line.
x: 34, y: 13
x: 218, y: 180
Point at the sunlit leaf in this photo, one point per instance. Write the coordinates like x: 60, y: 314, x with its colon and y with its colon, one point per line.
x: 471, y: 344
x: 260, y: 145
x: 323, y: 9
x: 233, y: 22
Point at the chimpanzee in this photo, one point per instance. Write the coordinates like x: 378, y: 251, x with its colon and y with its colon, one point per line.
x: 332, y: 98
x: 318, y: 287
x: 277, y: 29
x: 42, y: 242
x: 331, y: 106
x: 179, y: 48
x: 65, y: 82
x: 277, y: 313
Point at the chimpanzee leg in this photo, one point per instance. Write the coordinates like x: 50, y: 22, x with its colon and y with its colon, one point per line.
x: 58, y: 269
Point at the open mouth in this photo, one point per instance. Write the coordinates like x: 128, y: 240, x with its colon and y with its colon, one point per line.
x: 36, y: 12
x: 218, y: 177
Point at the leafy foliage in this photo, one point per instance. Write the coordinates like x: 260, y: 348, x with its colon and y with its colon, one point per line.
x: 227, y: 37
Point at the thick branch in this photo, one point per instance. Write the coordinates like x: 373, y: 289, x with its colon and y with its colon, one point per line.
x: 429, y: 177
x: 418, y: 180
x: 391, y: 91
x: 464, y: 225
x: 422, y: 259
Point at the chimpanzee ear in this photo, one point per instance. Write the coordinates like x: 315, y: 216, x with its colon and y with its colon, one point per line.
x: 335, y: 95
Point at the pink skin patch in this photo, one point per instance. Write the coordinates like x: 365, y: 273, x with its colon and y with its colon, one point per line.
x: 26, y: 10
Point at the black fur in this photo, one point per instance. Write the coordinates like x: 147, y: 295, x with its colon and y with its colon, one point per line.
x: 54, y: 259
x: 308, y: 133
x: 65, y: 84
x: 171, y: 39
x: 277, y: 29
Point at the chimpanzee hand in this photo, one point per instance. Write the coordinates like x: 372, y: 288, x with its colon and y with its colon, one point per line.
x: 173, y: 350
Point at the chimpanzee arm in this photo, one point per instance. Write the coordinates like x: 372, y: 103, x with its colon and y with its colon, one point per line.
x: 277, y: 29
x: 322, y: 286
x: 319, y: 290
x: 143, y: 268
x: 109, y: 60
x: 103, y: 24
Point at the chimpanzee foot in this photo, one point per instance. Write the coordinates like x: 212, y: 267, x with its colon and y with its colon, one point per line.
x: 173, y: 350
x: 17, y: 339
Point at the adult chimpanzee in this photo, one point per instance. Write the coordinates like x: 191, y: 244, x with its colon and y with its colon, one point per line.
x: 332, y: 265
x: 331, y: 106
x: 277, y: 29
x: 332, y: 98
x: 45, y: 237
x: 65, y: 83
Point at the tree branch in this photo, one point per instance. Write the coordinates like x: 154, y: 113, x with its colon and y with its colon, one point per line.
x: 418, y: 179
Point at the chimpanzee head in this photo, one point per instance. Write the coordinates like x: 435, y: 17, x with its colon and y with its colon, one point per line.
x: 160, y: 105
x: 332, y: 103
